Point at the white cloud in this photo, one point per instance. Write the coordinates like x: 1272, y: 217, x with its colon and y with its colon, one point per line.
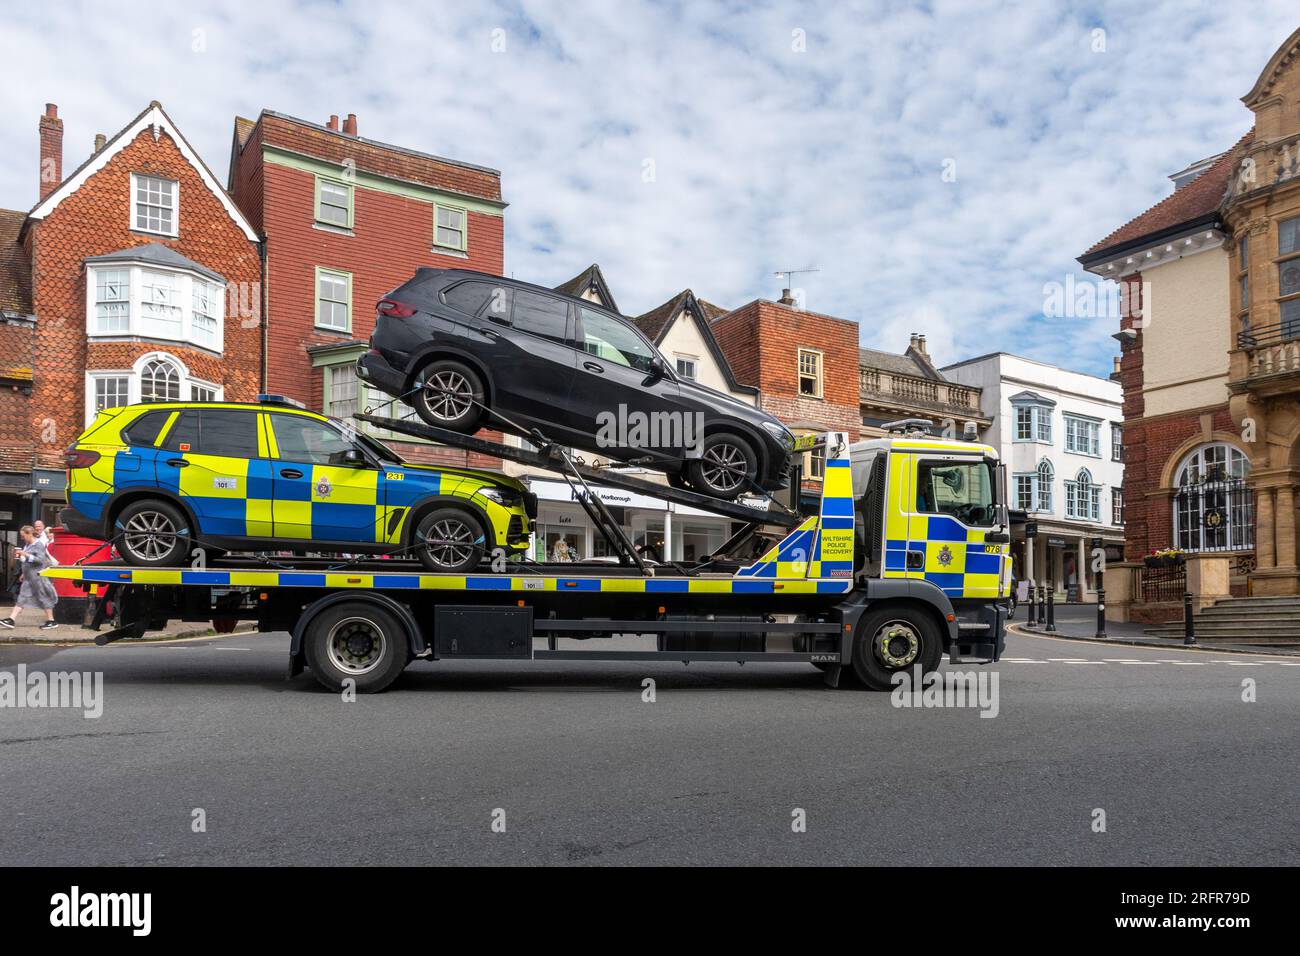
x: 764, y: 158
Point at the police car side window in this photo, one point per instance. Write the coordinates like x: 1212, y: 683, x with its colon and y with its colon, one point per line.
x: 306, y: 440
x: 144, y: 430
x: 228, y: 432
x: 184, y: 434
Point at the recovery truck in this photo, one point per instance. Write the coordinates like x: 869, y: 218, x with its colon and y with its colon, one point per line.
x: 903, y: 558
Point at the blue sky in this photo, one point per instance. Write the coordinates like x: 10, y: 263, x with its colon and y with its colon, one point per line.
x: 778, y: 135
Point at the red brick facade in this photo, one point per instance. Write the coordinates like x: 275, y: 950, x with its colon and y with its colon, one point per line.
x: 391, y: 236
x: 762, y: 340
x: 95, y: 219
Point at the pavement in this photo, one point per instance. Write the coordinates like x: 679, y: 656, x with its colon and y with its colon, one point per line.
x: 1187, y: 757
x: 29, y: 631
x: 1079, y: 621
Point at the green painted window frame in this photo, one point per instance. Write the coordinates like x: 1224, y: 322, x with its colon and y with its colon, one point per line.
x: 464, y: 231
x: 351, y: 201
x: 316, y: 297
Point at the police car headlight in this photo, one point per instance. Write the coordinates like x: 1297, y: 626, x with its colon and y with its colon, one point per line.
x: 501, y: 496
x: 780, y: 433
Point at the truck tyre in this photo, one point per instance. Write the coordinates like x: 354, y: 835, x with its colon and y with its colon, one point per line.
x: 450, y: 541
x: 450, y: 396
x: 726, y: 468
x: 894, y: 639
x: 152, y: 533
x: 356, y: 641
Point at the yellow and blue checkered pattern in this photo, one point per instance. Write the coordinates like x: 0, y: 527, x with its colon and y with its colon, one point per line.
x: 956, y: 558
x: 821, y: 547
x: 269, y: 497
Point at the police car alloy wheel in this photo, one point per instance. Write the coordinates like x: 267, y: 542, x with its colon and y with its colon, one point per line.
x: 151, y: 532
x: 450, y: 541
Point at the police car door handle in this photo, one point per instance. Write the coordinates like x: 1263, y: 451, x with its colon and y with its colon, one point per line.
x: 290, y: 473
x: 177, y: 462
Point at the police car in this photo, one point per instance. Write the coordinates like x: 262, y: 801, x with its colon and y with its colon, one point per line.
x: 165, y: 479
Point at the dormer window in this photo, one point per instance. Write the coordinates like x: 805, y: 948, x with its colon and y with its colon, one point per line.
x: 154, y: 205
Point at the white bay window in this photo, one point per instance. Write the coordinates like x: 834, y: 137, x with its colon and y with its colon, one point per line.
x: 149, y: 302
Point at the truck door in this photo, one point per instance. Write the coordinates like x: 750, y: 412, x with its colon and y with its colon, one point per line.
x: 900, y: 562
x: 954, y: 506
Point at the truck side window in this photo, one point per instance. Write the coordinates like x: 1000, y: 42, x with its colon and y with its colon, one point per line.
x: 963, y: 490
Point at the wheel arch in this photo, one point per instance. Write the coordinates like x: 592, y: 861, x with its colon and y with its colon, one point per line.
x: 436, y: 351
x: 120, y: 499
x: 414, y: 635
x: 920, y: 595
x: 743, y: 430
x: 424, y: 505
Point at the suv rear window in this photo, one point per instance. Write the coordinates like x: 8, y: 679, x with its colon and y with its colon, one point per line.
x: 144, y: 430
x: 468, y: 297
x: 184, y: 432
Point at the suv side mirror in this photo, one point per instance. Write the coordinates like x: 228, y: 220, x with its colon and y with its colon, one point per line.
x: 658, y: 369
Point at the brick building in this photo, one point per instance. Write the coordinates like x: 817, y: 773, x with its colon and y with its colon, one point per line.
x: 1212, y: 431
x: 804, y: 364
x: 134, y: 278
x: 345, y: 220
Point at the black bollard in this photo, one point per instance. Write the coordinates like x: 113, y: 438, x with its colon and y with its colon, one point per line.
x: 1101, y: 606
x: 1189, y: 625
x: 1051, y: 610
x: 1042, y: 605
x: 1033, y: 607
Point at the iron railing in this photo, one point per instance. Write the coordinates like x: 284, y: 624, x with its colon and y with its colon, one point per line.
x: 1164, y: 585
x: 1260, y: 336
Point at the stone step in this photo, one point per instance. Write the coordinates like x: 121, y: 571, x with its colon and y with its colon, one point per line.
x: 1279, y: 601
x: 1221, y: 612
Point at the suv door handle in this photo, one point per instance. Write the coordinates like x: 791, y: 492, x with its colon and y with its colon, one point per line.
x: 177, y: 462
x: 594, y: 367
x: 290, y: 473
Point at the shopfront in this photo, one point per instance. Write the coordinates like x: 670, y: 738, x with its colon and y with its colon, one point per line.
x: 666, y: 531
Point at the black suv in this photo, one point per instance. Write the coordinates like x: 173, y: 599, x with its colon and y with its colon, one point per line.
x: 450, y: 339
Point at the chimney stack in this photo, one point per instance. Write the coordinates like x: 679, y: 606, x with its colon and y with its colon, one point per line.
x: 787, y: 298
x: 350, y: 125
x: 920, y: 345
x: 100, y: 140
x: 334, y: 122
x: 51, y: 128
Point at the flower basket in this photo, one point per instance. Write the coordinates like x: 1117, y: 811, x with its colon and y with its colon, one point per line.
x: 1163, y: 560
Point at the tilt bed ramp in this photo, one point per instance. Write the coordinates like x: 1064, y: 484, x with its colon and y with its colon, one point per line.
x: 828, y: 593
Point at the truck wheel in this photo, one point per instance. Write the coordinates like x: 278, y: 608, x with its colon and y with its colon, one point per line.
x: 450, y: 541
x: 451, y: 395
x: 356, y: 641
x: 152, y: 533
x: 891, y: 640
x: 726, y: 468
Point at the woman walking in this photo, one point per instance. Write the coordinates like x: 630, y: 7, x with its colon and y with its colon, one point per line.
x: 35, y: 591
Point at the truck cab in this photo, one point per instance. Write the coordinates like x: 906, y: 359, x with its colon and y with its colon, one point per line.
x: 933, y: 512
